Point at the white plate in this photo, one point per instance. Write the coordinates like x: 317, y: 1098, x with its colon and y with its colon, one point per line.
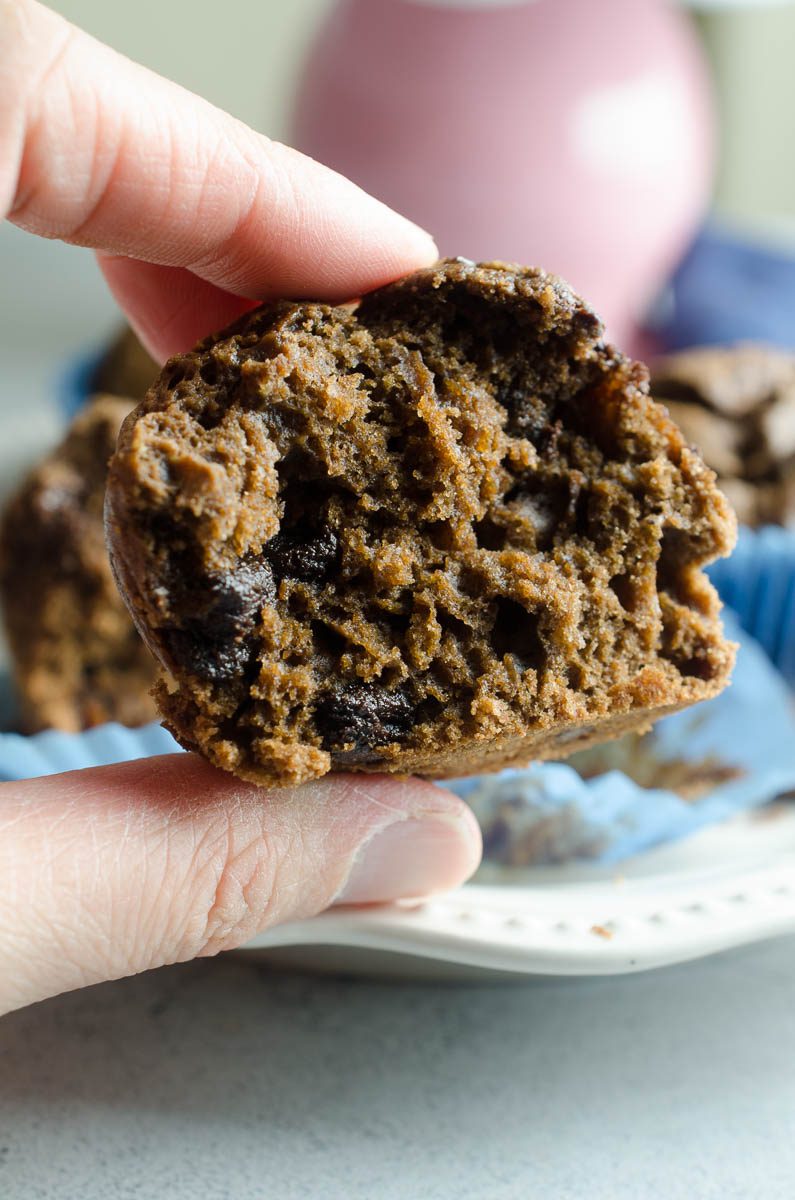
x: 730, y: 885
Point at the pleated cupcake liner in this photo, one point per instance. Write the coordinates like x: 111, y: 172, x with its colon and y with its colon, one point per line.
x: 744, y: 739
x: 51, y: 752
x: 758, y: 583
x: 747, y: 734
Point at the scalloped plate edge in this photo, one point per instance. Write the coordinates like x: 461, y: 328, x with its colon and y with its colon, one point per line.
x: 571, y: 923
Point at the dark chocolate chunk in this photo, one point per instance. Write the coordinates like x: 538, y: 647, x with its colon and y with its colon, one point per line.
x: 310, y: 559
x: 209, y: 658
x: 356, y: 719
x: 357, y: 758
x: 230, y: 604
x: 215, y: 642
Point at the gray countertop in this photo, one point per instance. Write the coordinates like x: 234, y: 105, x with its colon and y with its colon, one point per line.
x: 231, y: 1079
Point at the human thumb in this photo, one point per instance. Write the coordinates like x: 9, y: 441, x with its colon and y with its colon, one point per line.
x: 109, y: 871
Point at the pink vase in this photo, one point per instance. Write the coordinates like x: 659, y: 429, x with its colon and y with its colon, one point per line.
x: 571, y: 134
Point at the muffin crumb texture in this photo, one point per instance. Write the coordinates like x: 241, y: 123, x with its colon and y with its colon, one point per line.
x: 443, y: 533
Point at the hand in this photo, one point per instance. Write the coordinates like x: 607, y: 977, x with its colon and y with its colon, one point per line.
x: 193, y: 214
x: 110, y: 871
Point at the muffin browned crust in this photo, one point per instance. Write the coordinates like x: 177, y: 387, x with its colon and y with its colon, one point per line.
x: 77, y: 658
x: 443, y: 533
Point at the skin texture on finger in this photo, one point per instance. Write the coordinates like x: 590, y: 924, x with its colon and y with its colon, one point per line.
x: 168, y: 307
x: 113, y: 870
x: 98, y: 151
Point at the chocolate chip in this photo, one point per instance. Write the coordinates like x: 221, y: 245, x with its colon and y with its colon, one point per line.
x: 215, y: 641
x: 357, y: 758
x: 310, y: 558
x: 353, y: 720
x: 209, y: 658
x: 232, y: 602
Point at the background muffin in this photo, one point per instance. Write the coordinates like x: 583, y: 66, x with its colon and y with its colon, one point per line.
x: 76, y: 657
x: 125, y: 369
x: 737, y: 405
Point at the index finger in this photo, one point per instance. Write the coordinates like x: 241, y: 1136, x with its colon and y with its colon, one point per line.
x: 98, y: 151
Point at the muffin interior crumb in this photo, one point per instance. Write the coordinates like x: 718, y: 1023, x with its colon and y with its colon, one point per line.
x: 416, y: 533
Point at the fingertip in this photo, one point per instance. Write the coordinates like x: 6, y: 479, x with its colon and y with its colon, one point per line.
x: 363, y: 242
x: 434, y: 847
x: 418, y: 248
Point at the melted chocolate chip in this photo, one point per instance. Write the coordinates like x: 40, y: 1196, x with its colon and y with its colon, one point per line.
x: 310, y: 559
x: 231, y: 603
x: 207, y: 657
x: 354, y: 720
x: 357, y: 758
x: 215, y: 641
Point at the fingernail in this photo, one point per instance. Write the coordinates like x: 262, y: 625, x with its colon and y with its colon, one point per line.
x: 414, y: 857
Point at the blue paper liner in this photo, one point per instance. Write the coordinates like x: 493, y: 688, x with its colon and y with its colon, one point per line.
x: 749, y: 728
x: 747, y: 733
x: 51, y: 752
x: 730, y: 287
x: 758, y: 583
x: 74, y: 384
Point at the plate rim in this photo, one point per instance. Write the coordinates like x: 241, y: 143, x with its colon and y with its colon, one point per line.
x: 596, y: 925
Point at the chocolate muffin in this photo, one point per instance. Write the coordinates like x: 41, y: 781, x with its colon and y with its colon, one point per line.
x: 442, y: 533
x: 126, y: 368
x: 737, y: 405
x: 77, y: 658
